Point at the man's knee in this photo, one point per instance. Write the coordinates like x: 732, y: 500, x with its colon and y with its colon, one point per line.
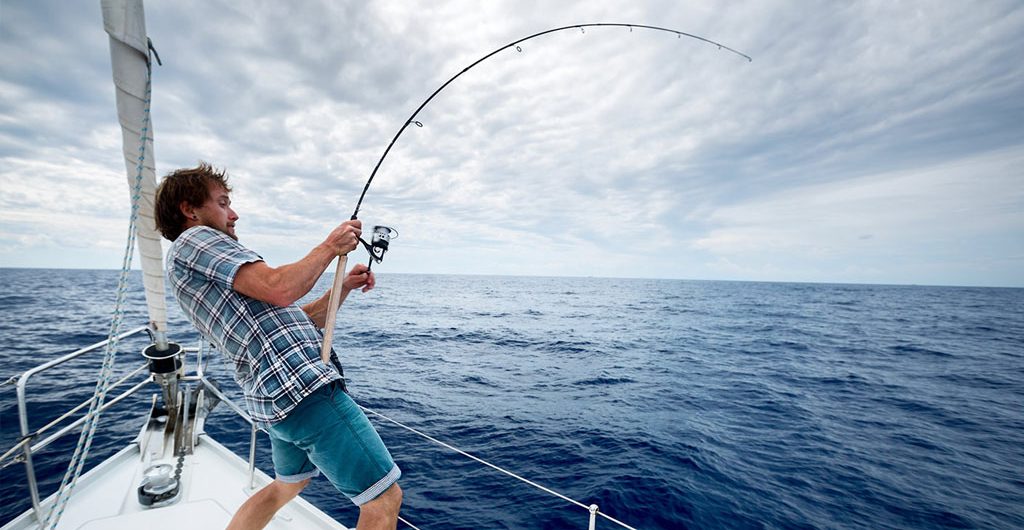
x: 387, y: 503
x: 283, y: 492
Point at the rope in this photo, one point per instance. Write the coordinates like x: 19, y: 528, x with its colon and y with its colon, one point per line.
x: 67, y: 485
x: 492, y: 466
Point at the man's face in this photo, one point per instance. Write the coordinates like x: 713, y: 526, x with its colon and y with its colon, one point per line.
x: 216, y: 212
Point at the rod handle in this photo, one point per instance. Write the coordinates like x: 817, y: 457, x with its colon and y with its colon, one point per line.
x: 332, y: 308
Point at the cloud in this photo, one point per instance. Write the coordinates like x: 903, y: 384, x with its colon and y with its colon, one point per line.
x: 605, y: 152
x: 881, y: 221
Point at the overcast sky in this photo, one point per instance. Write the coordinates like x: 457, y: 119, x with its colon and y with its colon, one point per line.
x: 877, y: 142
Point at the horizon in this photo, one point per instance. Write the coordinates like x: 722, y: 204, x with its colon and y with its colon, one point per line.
x: 329, y: 272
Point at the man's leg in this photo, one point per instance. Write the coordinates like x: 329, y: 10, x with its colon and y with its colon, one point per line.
x: 338, y: 440
x: 256, y: 512
x: 381, y: 513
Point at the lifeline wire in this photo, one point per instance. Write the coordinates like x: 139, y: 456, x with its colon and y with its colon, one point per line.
x: 412, y: 118
x: 492, y: 466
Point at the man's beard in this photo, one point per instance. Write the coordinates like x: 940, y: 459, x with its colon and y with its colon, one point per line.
x: 223, y: 231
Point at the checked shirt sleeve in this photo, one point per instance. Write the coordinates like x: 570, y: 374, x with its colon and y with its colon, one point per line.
x: 213, y: 255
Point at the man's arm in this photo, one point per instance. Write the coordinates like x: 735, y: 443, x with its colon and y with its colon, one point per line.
x: 284, y: 285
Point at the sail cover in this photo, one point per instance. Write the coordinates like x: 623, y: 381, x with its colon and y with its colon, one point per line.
x: 125, y: 23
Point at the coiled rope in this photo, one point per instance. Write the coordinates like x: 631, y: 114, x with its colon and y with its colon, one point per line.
x: 67, y: 485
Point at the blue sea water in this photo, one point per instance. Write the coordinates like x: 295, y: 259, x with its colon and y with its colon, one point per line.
x: 671, y: 404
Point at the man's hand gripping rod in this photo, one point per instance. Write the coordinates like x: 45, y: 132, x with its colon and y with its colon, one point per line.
x: 382, y: 235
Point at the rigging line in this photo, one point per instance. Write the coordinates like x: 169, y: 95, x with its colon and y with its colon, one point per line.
x: 407, y: 523
x: 411, y: 119
x: 463, y: 453
x: 70, y: 480
x: 492, y: 466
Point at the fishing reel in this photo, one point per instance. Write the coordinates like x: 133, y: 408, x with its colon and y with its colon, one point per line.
x: 378, y: 245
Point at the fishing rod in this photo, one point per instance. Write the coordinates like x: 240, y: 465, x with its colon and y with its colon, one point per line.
x: 382, y: 235
x: 581, y: 27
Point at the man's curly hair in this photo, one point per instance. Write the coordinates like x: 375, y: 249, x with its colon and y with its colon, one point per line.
x: 189, y: 185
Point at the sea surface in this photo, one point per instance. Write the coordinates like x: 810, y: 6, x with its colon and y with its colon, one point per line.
x: 670, y: 404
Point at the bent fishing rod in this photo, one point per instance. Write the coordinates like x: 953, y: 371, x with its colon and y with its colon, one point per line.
x: 383, y: 234
x: 581, y: 27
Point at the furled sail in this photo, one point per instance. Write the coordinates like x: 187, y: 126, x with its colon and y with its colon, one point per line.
x: 124, y: 22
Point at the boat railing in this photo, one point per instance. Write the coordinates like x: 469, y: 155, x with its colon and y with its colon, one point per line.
x: 593, y: 510
x: 28, y: 447
x: 30, y: 442
x: 253, y: 429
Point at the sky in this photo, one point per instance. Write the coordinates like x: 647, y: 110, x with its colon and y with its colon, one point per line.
x: 867, y: 142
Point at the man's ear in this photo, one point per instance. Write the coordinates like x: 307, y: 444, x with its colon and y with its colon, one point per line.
x: 186, y: 209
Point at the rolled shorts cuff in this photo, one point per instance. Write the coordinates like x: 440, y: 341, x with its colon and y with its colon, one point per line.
x: 292, y: 479
x: 379, y: 487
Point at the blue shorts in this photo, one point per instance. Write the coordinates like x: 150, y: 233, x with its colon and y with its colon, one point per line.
x: 328, y: 432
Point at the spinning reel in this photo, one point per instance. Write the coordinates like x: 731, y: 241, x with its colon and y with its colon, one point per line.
x: 382, y: 236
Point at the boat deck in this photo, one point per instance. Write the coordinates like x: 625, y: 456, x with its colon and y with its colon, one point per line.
x: 214, y: 483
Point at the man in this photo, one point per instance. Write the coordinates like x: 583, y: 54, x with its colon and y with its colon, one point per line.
x: 247, y: 309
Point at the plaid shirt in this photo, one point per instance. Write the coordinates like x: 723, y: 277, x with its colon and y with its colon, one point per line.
x: 275, y: 350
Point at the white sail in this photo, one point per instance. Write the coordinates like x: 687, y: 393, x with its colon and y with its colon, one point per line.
x: 124, y: 21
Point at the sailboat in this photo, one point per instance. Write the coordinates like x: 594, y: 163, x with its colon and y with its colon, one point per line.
x: 173, y: 474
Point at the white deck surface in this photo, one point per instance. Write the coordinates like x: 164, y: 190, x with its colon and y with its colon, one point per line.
x: 214, y: 482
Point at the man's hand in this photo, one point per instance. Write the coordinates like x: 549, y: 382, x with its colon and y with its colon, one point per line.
x: 360, y: 276
x: 345, y: 238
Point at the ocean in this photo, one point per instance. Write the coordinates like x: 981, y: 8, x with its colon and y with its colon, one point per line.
x: 670, y: 404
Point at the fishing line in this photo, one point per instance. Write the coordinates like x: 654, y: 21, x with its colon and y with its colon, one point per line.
x: 581, y: 27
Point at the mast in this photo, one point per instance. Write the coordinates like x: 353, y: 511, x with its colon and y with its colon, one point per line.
x: 125, y: 23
